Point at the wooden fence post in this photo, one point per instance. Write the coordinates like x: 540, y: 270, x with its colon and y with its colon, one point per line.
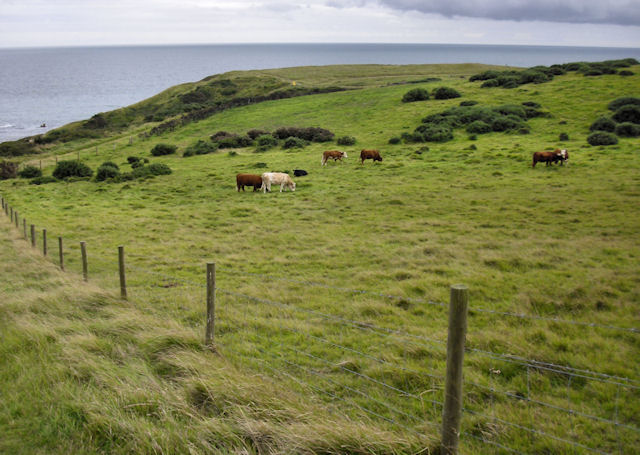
x: 85, y: 265
x: 11, y: 215
x: 61, y: 253
x: 44, y: 242
x: 211, y: 302
x: 452, y: 413
x: 17, y: 225
x: 33, y: 235
x: 24, y: 225
x: 123, y: 281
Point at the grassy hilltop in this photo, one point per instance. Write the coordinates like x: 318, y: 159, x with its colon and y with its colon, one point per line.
x: 301, y: 364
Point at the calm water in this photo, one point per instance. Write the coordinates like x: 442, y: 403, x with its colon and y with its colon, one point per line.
x: 60, y: 85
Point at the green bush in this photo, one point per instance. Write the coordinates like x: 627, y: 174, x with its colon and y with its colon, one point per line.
x: 312, y: 133
x: 436, y: 133
x: 133, y: 159
x: 445, y: 93
x: 294, y: 142
x: 66, y: 169
x: 628, y: 129
x: 602, y: 138
x: 478, y: 127
x: 235, y: 142
x: 413, y: 138
x: 200, y: 148
x: 266, y: 141
x: 531, y: 104
x: 534, y: 77
x: 29, y: 172
x: 163, y: 149
x: 603, y: 124
x: 626, y: 73
x: 511, y: 109
x: 468, y: 103
x: 506, y: 123
x: 110, y: 163
x: 627, y: 113
x: 43, y: 179
x: 346, y: 140
x: 106, y: 171
x: 486, y: 75
x: 151, y: 170
x: 416, y: 94
x: 394, y: 140
x: 563, y: 137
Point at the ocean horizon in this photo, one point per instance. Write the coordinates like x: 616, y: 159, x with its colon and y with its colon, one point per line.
x: 59, y: 85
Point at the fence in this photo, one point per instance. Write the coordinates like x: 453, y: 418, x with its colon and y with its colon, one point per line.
x: 403, y: 380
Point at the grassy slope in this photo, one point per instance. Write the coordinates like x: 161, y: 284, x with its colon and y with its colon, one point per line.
x: 555, y: 241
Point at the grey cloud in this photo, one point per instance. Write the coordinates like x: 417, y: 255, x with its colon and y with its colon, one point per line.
x: 619, y: 12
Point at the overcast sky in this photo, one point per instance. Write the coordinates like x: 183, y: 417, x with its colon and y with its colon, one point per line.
x: 614, y: 23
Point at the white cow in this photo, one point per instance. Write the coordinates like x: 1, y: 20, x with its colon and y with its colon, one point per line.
x: 277, y: 178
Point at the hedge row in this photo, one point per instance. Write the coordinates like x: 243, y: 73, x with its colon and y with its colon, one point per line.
x: 625, y: 122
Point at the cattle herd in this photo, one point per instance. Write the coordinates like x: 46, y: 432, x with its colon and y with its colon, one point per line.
x: 263, y: 182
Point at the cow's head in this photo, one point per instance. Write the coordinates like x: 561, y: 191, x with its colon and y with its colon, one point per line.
x: 377, y: 158
x: 344, y: 154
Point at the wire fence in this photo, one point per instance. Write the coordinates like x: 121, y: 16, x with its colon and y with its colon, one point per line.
x: 366, y: 367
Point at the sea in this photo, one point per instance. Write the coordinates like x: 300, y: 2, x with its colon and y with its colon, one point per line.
x: 44, y: 88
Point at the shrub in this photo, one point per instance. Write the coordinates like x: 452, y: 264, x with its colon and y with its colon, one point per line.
x: 413, y: 138
x: 627, y: 113
x: 505, y: 123
x: 603, y: 124
x: 43, y: 179
x: 478, y: 127
x: 563, y: 137
x: 394, y: 140
x: 265, y: 142
x: 533, y: 77
x: 312, y: 133
x: 472, y: 137
x: 490, y: 83
x: 110, y: 163
x: 436, y: 133
x: 294, y: 142
x: 445, y: 93
x: 29, y: 172
x: 416, y: 94
x: 200, y: 148
x: 132, y: 159
x: 511, y: 109
x: 468, y: 103
x: 234, y: 142
x: 346, y: 140
x: 255, y: 134
x: 137, y: 164
x: 151, y: 170
x: 626, y: 73
x: 105, y: 172
x: 217, y: 137
x: 163, y: 149
x: 66, y: 169
x: 602, y: 138
x: 8, y: 170
x: 486, y: 75
x: 531, y: 104
x: 628, y: 129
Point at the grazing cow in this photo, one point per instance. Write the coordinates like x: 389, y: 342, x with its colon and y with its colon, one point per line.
x: 253, y: 180
x: 299, y: 172
x: 550, y: 157
x: 370, y: 154
x: 277, y: 178
x: 333, y: 154
x: 561, y: 155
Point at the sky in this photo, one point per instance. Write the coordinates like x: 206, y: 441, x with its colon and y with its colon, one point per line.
x: 44, y: 23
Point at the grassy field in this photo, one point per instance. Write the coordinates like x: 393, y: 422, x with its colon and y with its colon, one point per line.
x: 301, y: 365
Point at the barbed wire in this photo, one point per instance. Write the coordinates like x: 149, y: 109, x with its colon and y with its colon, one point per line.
x: 359, y: 325
x: 562, y: 369
x: 553, y: 406
x: 497, y: 444
x: 533, y: 430
x: 337, y: 288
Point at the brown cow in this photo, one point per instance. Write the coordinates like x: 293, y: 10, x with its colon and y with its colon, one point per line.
x: 253, y: 180
x: 334, y: 154
x: 550, y: 157
x: 370, y: 154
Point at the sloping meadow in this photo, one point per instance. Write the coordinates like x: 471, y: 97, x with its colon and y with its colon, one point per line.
x: 551, y: 242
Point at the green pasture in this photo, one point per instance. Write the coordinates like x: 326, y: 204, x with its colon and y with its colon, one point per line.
x: 555, y: 242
